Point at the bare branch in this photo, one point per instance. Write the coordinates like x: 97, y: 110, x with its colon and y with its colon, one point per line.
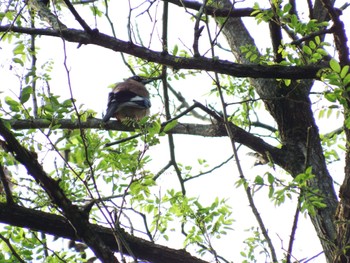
x: 198, y: 30
x: 77, y: 16
x: 206, y: 130
x: 201, y: 63
x: 60, y: 226
x: 340, y: 38
x: 52, y: 188
x: 276, y: 34
x: 293, y: 232
x: 217, y: 12
x: 312, y: 36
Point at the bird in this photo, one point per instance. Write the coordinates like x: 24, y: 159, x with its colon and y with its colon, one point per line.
x: 129, y: 100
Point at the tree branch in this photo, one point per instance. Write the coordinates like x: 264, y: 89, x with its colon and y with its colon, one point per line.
x: 340, y: 38
x: 81, y: 21
x: 75, y: 216
x: 12, y: 249
x: 60, y: 226
x: 199, y: 63
x: 217, y: 12
x: 207, y: 130
x: 5, y: 179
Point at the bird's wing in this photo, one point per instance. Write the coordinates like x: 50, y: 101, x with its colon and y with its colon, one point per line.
x: 124, y: 98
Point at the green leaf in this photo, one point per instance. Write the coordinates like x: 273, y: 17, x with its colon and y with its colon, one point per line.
x: 259, y: 180
x: 322, y: 51
x: 312, y: 44
x: 270, y: 178
x: 287, y: 82
x: 170, y: 126
x: 307, y: 50
x: 25, y: 94
x: 287, y: 8
x: 19, y: 49
x: 344, y: 71
x: 253, y: 58
x: 14, y: 105
x: 331, y: 97
x: 175, y: 50
x: 335, y: 66
x: 346, y: 80
x: 347, y: 123
x: 317, y: 40
x: 18, y: 61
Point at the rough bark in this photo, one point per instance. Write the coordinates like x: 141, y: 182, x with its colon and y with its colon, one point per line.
x: 291, y: 108
x: 342, y: 217
x: 200, y: 63
x: 59, y: 226
x: 73, y: 214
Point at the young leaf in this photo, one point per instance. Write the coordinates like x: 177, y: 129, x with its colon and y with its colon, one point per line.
x: 14, y: 105
x: 335, y: 66
x: 317, y: 40
x: 175, y: 50
x: 312, y: 44
x: 170, y: 126
x: 344, y: 71
x: 25, y: 94
x: 346, y: 80
x: 18, y: 61
x: 307, y: 50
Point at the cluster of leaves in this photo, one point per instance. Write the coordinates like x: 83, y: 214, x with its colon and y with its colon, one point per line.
x: 255, y: 244
x: 119, y: 175
x: 279, y: 190
x: 339, y: 78
x: 286, y: 18
x: 310, y: 52
x: 32, y: 247
x: 200, y: 223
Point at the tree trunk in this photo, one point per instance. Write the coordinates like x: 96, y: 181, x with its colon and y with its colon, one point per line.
x: 290, y: 107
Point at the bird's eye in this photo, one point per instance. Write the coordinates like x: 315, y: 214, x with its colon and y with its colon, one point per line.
x: 136, y: 78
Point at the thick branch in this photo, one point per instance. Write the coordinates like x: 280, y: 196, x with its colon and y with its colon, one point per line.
x: 76, y: 217
x: 217, y: 12
x: 199, y: 63
x: 340, y: 37
x: 207, y: 130
x: 59, y: 226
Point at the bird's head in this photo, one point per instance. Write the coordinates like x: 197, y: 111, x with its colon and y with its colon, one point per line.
x: 141, y: 79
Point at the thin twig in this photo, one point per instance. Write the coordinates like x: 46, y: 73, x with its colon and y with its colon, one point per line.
x: 198, y: 30
x: 312, y: 36
x: 313, y: 257
x: 13, y: 250
x: 33, y: 66
x: 109, y: 220
x: 78, y: 17
x: 185, y: 104
x: 209, y: 171
x: 123, y: 140
x: 238, y: 164
x: 293, y: 231
x: 166, y: 98
x: 166, y: 167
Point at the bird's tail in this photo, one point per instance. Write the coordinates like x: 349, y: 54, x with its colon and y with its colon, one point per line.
x: 110, y: 112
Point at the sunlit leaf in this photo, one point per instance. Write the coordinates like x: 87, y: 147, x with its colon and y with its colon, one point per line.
x: 335, y: 66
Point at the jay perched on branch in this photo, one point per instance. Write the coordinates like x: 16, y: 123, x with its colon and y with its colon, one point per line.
x: 129, y: 100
